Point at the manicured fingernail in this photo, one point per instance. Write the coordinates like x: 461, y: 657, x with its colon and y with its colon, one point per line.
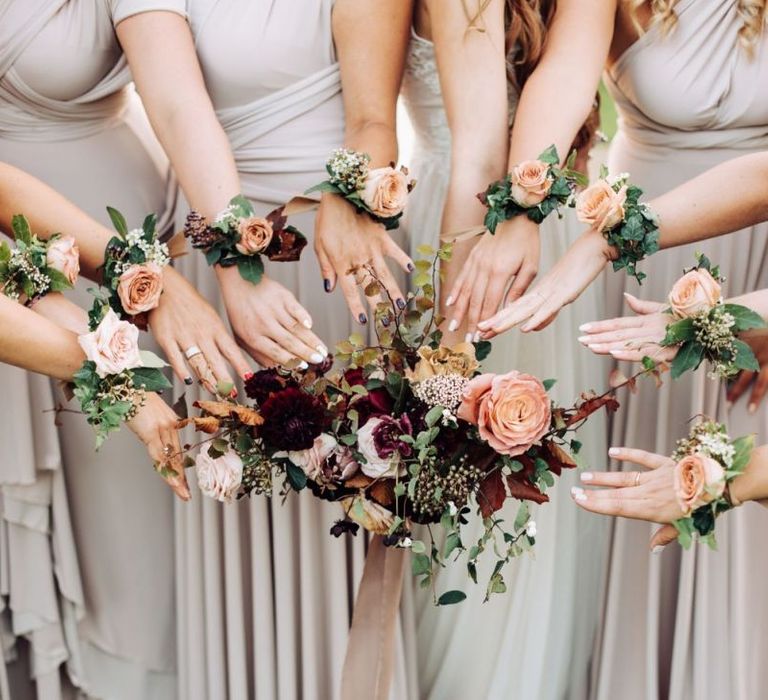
x: 453, y: 325
x: 322, y: 350
x: 752, y: 408
x: 316, y: 358
x: 307, y: 322
x: 304, y: 365
x: 410, y: 267
x: 247, y: 376
x: 188, y: 381
x: 449, y: 301
x: 614, y: 452
x: 233, y: 394
x: 327, y: 285
x: 385, y: 321
x: 585, y: 327
x: 578, y: 494
x: 363, y: 319
x: 587, y: 476
x: 400, y: 304
x: 583, y: 339
x: 658, y: 549
x: 467, y: 337
x: 476, y: 337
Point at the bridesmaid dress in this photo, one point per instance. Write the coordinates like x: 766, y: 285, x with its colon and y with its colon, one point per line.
x: 687, y: 625
x: 534, y: 640
x: 86, y: 539
x: 265, y: 593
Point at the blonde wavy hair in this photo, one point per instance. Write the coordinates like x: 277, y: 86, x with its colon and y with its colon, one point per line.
x: 753, y: 14
x: 527, y: 24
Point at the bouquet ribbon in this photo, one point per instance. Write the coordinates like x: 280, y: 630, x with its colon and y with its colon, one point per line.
x: 369, y: 661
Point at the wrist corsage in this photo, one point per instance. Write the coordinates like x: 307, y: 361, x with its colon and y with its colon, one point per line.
x: 707, y: 461
x: 36, y: 267
x: 379, y: 192
x: 705, y: 327
x: 238, y: 237
x: 534, y: 188
x: 612, y: 207
x: 112, y: 383
x: 133, y: 268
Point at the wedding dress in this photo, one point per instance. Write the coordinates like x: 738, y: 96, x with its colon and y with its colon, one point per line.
x: 86, y: 539
x: 534, y: 640
x: 688, y: 625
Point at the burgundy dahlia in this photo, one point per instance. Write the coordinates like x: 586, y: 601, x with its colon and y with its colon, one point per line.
x: 292, y: 419
x: 386, y: 436
x: 263, y: 384
x: 378, y: 402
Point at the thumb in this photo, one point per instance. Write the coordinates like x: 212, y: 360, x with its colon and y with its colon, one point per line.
x: 662, y: 537
x: 642, y: 307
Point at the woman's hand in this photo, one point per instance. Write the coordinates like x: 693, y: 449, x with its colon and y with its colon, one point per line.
x: 568, y: 278
x: 155, y: 426
x: 640, y: 495
x: 511, y: 254
x: 269, y: 324
x: 632, y: 338
x: 346, y: 243
x: 185, y: 320
x: 758, y: 341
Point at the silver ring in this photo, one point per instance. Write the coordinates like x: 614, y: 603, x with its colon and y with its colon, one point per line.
x: 191, y: 351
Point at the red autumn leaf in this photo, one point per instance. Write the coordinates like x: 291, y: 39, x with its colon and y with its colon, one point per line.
x: 277, y: 219
x: 590, y: 405
x: 491, y: 494
x: 286, y: 245
x: 524, y: 490
x: 618, y: 379
x: 558, y: 459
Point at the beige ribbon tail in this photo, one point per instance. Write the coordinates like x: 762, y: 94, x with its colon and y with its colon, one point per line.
x: 299, y: 204
x: 464, y: 235
x: 369, y: 662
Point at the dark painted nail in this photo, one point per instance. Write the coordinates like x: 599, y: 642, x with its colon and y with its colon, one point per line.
x: 410, y: 267
x: 363, y: 319
x: 385, y: 321
x: 188, y: 381
x: 401, y: 304
x: 327, y: 285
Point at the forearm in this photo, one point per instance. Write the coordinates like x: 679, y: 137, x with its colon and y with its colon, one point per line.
x: 34, y: 343
x: 376, y: 138
x: 752, y: 485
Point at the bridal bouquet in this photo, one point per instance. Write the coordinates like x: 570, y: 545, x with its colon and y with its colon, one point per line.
x: 406, y: 430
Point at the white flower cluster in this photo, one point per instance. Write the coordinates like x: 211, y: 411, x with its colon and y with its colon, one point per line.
x: 445, y: 390
x: 21, y: 262
x: 710, y: 439
x: 348, y: 169
x: 122, y: 390
x: 621, y: 179
x: 154, y: 252
x: 227, y: 217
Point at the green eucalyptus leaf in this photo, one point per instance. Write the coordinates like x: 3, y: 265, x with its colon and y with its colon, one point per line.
x: 451, y: 598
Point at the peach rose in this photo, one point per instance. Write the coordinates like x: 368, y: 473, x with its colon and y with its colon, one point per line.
x: 113, y: 346
x: 369, y: 514
x: 696, y: 291
x: 600, y: 207
x: 64, y: 255
x: 698, y: 480
x: 312, y: 459
x: 512, y: 411
x: 386, y: 191
x: 219, y: 478
x: 255, y: 235
x: 140, y: 287
x: 530, y: 182
x: 459, y: 359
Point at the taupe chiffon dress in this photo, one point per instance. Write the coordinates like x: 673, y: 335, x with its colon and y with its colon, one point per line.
x: 265, y: 593
x: 688, y: 625
x: 86, y: 539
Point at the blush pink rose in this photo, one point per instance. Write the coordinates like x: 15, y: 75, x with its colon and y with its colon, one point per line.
x: 113, y: 346
x: 512, y: 411
x: 64, y: 255
x: 696, y: 291
x: 600, y: 207
x: 312, y: 460
x: 255, y: 235
x: 698, y: 480
x: 386, y: 192
x: 219, y: 478
x: 530, y: 182
x: 140, y: 287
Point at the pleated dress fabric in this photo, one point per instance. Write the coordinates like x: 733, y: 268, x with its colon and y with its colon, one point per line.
x: 688, y: 625
x: 86, y: 538
x: 533, y: 641
x: 265, y: 593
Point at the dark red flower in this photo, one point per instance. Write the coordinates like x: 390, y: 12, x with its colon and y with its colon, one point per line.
x: 378, y: 402
x: 292, y: 419
x: 386, y: 436
x: 261, y: 385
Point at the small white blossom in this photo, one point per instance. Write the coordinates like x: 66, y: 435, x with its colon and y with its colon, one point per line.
x: 406, y: 543
x: 452, y: 509
x: 530, y: 528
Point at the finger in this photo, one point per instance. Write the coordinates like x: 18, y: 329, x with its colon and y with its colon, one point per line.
x: 614, y: 479
x: 758, y: 391
x: 268, y: 353
x: 523, y: 280
x: 326, y: 269
x: 662, y: 537
x: 494, y: 297
x: 162, y: 450
x: 623, y: 335
x: 349, y: 289
x: 655, y: 352
x: 611, y: 324
x: 514, y: 314
x: 288, y: 338
x: 544, y: 314
x: 230, y: 350
x: 458, y: 301
x: 178, y: 362
x: 298, y: 312
x: 387, y: 280
x: 649, y: 460
x: 176, y: 479
x: 218, y: 365
x: 740, y: 385
x: 203, y: 372
x: 619, y: 502
x: 642, y: 307
x: 458, y: 285
x: 394, y: 251
x: 475, y: 307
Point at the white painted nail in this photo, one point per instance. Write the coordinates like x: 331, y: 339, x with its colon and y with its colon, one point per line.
x: 587, y: 476
x: 303, y: 365
x: 307, y: 323
x: 449, y: 301
x: 658, y: 549
x: 614, y: 452
x: 752, y: 408
x: 583, y: 339
x: 468, y: 338
x: 476, y: 338
x: 585, y: 327
x: 453, y: 325
x: 578, y: 494
x: 317, y: 358
x: 322, y: 350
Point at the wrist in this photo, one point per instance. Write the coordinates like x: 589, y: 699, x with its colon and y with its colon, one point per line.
x: 752, y: 485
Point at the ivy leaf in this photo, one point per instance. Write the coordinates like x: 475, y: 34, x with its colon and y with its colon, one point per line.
x: 550, y: 156
x: 149, y: 359
x: 451, y: 598
x: 689, y: 357
x: 118, y: 221
x: 745, y: 317
x: 58, y: 280
x: 743, y: 447
x: 150, y: 379
x: 549, y: 383
x: 679, y: 332
x: 251, y: 268
x: 684, y: 527
x: 744, y: 358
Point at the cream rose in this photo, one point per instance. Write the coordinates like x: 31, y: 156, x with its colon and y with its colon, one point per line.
x: 113, y: 346
x: 530, y: 182
x: 140, y: 287
x: 64, y: 255
x: 698, y: 480
x: 312, y: 459
x: 386, y: 191
x: 255, y: 235
x: 369, y: 514
x: 219, y: 478
x: 600, y: 207
x: 512, y: 411
x: 459, y: 359
x: 694, y: 292
x: 375, y: 466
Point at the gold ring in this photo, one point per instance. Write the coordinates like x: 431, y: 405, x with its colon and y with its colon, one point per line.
x: 637, y: 478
